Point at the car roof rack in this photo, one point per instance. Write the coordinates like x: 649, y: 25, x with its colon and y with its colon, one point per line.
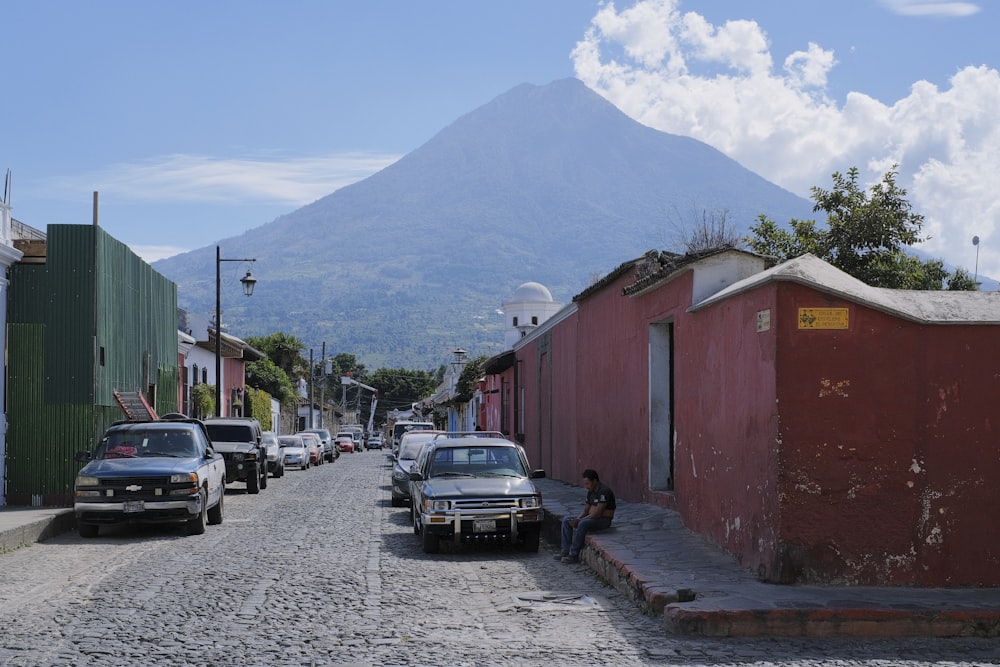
x: 470, y: 434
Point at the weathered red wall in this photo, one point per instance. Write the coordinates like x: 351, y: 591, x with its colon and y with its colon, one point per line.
x: 890, y: 461
x: 863, y: 456
x: 726, y: 425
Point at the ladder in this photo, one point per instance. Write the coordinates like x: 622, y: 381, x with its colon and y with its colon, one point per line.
x: 134, y: 405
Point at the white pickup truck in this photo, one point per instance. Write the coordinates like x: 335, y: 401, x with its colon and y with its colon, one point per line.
x: 163, y: 471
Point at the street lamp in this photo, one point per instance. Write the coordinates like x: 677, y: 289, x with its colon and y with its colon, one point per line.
x: 248, y: 284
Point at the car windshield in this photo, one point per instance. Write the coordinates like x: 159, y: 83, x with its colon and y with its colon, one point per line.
x: 477, y: 462
x: 410, y: 449
x: 289, y: 441
x: 133, y: 443
x: 229, y: 432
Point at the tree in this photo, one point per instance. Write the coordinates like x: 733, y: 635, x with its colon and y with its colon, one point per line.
x: 866, y: 235
x: 712, y: 232
x: 468, y: 379
x: 399, y: 388
x: 203, y: 398
x: 263, y: 374
x: 285, y: 351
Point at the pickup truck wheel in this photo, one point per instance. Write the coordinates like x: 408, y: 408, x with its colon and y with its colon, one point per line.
x: 87, y: 529
x: 280, y: 471
x: 530, y: 541
x: 432, y: 543
x: 253, y: 481
x: 196, y: 526
x: 216, y: 514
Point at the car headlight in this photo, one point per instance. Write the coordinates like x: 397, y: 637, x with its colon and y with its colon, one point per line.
x: 237, y: 456
x: 437, y: 505
x: 181, y: 478
x: 400, y: 474
x: 530, y: 503
x: 86, y: 480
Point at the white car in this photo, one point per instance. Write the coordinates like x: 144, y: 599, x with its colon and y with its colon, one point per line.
x: 409, y: 449
x: 275, y: 455
x: 294, y: 448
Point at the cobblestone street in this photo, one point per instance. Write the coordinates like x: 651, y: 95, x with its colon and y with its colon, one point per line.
x: 319, y: 569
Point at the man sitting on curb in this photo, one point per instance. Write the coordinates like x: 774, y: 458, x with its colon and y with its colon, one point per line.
x: 597, y: 515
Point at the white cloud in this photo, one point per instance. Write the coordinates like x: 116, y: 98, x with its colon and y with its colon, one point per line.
x: 718, y: 84
x: 197, y: 178
x: 931, y: 8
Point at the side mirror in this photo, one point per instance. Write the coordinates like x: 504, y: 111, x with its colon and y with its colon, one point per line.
x: 415, y: 476
x: 535, y: 474
x: 83, y: 457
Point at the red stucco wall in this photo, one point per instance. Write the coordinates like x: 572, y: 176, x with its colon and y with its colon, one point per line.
x: 865, y: 456
x: 890, y: 461
x: 726, y: 426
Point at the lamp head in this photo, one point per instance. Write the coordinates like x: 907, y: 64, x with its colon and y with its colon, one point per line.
x: 248, y: 283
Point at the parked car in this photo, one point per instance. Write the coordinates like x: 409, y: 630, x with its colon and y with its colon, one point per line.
x: 330, y: 452
x: 275, y: 457
x: 163, y: 471
x: 358, y: 433
x: 294, y: 450
x: 314, y: 446
x: 238, y: 439
x: 344, y: 442
x: 409, y: 449
x: 401, y: 427
x: 475, y: 488
x: 374, y: 441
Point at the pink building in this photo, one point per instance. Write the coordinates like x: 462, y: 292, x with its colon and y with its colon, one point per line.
x: 819, y: 429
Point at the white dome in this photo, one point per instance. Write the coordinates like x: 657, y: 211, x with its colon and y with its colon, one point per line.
x: 532, y: 293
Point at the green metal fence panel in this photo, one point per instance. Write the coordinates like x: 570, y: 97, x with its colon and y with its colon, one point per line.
x: 94, y: 318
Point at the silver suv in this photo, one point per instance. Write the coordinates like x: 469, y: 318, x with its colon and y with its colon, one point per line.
x: 475, y: 487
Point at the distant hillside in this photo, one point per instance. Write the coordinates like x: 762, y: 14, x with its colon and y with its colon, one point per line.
x: 545, y: 183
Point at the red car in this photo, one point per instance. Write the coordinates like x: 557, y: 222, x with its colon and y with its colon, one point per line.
x: 345, y: 443
x: 314, y: 446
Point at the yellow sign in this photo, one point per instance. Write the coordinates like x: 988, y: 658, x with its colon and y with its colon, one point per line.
x: 823, y: 318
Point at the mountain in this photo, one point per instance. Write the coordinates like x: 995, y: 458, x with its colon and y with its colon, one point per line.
x: 550, y: 183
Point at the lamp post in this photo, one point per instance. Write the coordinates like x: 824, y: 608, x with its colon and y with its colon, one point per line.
x: 248, y: 284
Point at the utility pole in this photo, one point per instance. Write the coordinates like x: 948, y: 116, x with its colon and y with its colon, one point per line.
x: 312, y: 377
x: 322, y: 386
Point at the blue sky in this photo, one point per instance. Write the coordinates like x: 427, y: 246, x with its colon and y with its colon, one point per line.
x: 197, y: 121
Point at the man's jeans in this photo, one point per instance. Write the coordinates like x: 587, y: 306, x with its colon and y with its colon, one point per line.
x: 572, y: 541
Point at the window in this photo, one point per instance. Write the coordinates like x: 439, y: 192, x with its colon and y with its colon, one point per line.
x: 534, y: 319
x: 515, y: 320
x: 194, y: 374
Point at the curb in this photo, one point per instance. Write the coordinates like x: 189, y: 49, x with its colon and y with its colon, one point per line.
x: 825, y: 622
x: 37, y: 531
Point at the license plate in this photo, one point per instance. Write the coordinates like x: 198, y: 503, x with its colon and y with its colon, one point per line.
x: 134, y: 506
x: 484, y: 526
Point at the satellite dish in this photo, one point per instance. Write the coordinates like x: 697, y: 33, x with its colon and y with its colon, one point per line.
x: 975, y: 240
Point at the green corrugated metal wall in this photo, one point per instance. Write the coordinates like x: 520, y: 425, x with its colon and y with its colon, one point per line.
x: 59, y: 391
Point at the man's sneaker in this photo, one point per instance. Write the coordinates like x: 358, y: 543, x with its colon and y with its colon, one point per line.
x: 570, y: 559
x: 559, y: 557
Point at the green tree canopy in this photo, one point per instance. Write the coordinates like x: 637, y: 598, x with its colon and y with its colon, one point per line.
x: 285, y: 351
x: 399, y: 388
x: 265, y: 375
x: 866, y: 236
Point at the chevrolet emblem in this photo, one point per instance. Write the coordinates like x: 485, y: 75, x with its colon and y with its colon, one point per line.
x: 133, y: 487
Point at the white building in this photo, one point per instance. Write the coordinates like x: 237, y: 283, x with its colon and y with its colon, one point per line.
x: 530, y: 305
x: 9, y: 255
